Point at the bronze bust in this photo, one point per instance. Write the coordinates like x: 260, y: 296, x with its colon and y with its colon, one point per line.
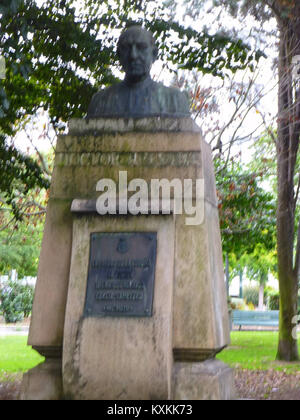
x: 138, y: 95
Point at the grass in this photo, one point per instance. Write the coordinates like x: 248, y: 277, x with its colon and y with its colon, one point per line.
x: 16, y: 356
x: 255, y: 350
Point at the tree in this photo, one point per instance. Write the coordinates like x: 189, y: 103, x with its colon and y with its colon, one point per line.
x: 247, y: 211
x: 21, y: 221
x: 58, y: 54
x: 226, y: 109
x: 247, y: 215
x: 20, y: 175
x: 16, y: 300
x: 20, y: 248
x: 20, y: 240
x: 259, y: 265
x: 287, y: 15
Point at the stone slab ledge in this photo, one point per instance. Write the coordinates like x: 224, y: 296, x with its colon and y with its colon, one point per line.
x: 95, y: 126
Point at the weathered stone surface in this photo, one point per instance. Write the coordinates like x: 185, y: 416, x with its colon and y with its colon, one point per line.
x: 209, y: 380
x: 119, y: 358
x: 145, y: 159
x: 123, y: 125
x: 83, y: 180
x: 48, y: 313
x: 199, y: 311
x: 129, y: 142
x: 44, y: 382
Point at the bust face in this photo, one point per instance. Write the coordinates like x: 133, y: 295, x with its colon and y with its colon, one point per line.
x: 136, y: 54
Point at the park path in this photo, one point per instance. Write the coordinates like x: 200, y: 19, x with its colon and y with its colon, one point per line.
x: 13, y: 330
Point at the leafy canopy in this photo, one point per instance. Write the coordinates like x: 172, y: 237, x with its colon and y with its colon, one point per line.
x: 57, y: 55
x: 60, y: 52
x: 246, y: 210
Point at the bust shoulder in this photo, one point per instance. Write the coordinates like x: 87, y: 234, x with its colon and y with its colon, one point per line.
x: 174, y: 101
x: 147, y: 98
x: 103, y: 101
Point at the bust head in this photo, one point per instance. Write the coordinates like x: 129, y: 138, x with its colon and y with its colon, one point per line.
x: 138, y: 95
x: 136, y: 52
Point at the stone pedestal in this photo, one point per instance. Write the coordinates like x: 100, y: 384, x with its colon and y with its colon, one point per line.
x: 44, y: 382
x: 208, y: 380
x: 119, y: 357
x: 171, y: 353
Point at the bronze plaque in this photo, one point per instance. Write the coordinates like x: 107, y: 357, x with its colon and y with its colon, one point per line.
x: 121, y: 274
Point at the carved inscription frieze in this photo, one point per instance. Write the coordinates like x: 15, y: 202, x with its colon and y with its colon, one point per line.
x: 147, y: 159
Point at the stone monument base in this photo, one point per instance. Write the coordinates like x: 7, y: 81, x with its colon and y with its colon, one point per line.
x: 105, y: 341
x: 44, y: 382
x: 119, y: 357
x: 208, y: 380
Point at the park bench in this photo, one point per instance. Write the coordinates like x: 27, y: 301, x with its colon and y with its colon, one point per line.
x: 255, y: 318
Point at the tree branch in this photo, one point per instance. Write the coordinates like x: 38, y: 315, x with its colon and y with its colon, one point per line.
x: 38, y: 213
x: 45, y: 168
x: 7, y: 224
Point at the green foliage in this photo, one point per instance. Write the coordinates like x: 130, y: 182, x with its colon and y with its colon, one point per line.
x: 264, y: 155
x: 57, y: 56
x: 273, y: 301
x: 247, y: 220
x: 20, y: 173
x: 258, y: 9
x: 264, y: 160
x: 20, y: 247
x: 262, y: 10
x: 59, y: 53
x: 251, y: 294
x: 287, y: 14
x: 16, y: 301
x: 247, y: 211
x: 260, y: 263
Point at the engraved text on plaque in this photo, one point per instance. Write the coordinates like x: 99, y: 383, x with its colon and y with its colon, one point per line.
x: 121, y: 274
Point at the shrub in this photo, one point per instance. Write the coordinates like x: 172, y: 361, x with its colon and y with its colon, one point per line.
x: 251, y: 294
x: 273, y: 301
x: 16, y: 301
x: 237, y: 303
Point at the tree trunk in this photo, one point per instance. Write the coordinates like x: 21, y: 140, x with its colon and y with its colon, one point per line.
x: 287, y: 148
x: 287, y: 345
x: 261, y: 297
x: 241, y: 285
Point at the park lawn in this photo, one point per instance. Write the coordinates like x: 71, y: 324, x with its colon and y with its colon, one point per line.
x: 256, y: 350
x: 16, y: 356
